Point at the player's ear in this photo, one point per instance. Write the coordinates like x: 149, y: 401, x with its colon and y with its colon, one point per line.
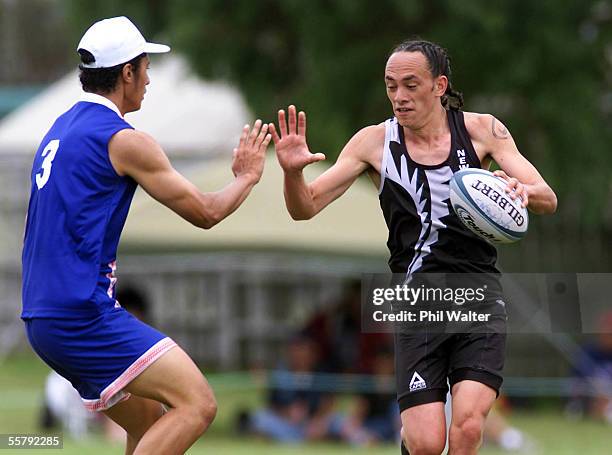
x: 127, y: 72
x: 440, y: 85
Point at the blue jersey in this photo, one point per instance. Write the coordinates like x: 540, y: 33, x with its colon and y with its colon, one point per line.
x: 78, y: 206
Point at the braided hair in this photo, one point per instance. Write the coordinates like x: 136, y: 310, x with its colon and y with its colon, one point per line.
x: 439, y: 65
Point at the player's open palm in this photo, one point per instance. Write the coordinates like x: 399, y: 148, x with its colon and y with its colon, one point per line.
x: 291, y: 148
x: 250, y: 154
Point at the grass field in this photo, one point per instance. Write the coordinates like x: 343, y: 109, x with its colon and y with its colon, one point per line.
x: 21, y: 381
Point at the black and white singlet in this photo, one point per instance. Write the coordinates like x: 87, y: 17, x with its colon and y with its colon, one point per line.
x: 425, y: 235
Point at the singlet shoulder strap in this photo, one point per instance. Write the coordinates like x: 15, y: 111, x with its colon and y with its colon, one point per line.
x: 462, y: 137
x: 391, y: 135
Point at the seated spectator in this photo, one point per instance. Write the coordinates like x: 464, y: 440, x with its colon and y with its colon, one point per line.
x: 375, y: 417
x: 296, y: 411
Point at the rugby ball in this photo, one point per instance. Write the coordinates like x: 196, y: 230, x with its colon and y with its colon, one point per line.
x: 480, y: 201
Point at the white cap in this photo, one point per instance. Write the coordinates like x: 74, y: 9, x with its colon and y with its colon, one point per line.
x: 115, y: 41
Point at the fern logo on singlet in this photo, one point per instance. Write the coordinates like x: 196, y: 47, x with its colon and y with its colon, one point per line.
x: 417, y: 382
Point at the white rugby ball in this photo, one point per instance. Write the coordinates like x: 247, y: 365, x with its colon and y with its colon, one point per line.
x: 480, y: 201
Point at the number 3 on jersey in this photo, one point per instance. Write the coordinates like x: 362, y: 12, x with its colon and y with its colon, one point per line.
x: 49, y: 155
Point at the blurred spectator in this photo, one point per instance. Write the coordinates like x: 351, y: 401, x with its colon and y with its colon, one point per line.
x: 331, y: 341
x: 296, y: 411
x: 592, y: 373
x: 63, y: 406
x: 338, y: 335
x: 375, y: 417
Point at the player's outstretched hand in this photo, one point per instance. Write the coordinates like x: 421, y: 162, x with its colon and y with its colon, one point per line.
x: 291, y: 148
x: 250, y: 154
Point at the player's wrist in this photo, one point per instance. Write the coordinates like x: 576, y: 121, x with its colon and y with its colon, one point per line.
x: 249, y: 178
x: 294, y: 173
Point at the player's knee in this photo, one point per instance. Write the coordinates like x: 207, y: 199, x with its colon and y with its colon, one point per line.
x: 424, y: 444
x: 208, y: 410
x: 426, y: 448
x: 469, y: 430
x: 203, y: 409
x: 203, y: 415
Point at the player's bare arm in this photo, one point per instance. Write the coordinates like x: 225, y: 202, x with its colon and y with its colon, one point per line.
x: 492, y: 140
x: 138, y: 155
x: 305, y: 200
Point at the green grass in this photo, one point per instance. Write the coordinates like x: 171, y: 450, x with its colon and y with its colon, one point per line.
x: 21, y: 381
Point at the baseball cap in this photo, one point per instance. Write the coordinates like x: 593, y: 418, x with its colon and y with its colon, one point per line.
x: 114, y: 41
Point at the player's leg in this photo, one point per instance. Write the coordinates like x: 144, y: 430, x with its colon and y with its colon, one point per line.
x: 477, y: 361
x: 176, y: 381
x: 421, y: 369
x: 424, y: 429
x: 471, y: 404
x: 114, y: 353
x: 135, y: 415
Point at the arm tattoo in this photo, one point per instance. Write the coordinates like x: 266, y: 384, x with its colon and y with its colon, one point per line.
x: 501, y: 133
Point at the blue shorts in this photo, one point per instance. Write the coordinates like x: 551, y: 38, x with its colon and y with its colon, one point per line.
x: 99, y: 355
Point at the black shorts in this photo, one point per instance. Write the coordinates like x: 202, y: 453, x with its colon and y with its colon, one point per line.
x: 428, y: 361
